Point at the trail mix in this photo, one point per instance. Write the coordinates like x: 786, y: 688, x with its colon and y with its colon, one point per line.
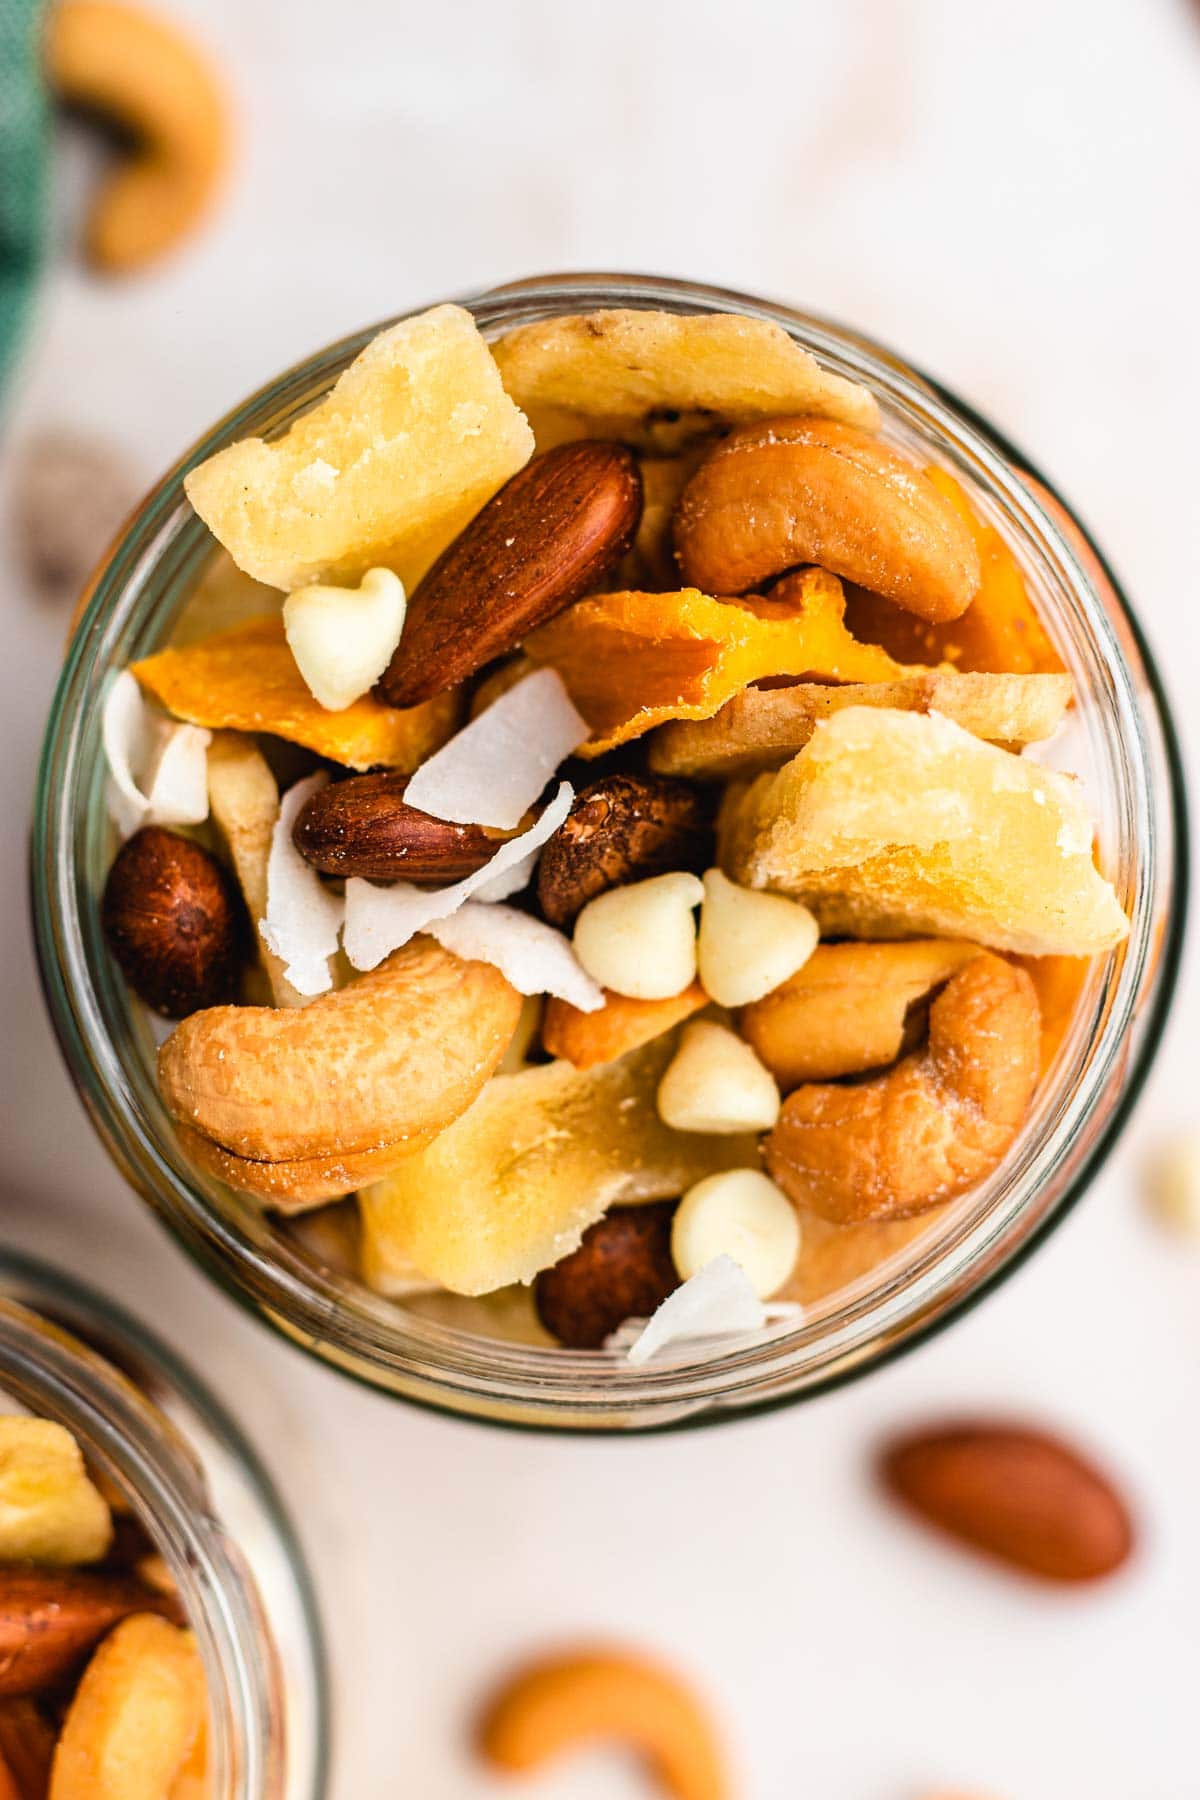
x: 615, y: 859
x: 102, y: 1690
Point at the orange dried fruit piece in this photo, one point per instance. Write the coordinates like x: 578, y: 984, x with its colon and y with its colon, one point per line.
x: 511, y: 1187
x: 246, y: 679
x: 999, y: 633
x: 135, y: 1717
x: 631, y: 661
x: 385, y: 471
x: 621, y: 1024
x: 900, y: 824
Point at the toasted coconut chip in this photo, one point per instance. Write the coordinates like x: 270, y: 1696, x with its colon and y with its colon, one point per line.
x: 717, y: 1302
x: 534, y: 957
x: 380, y: 919
x: 492, y: 771
x: 158, y: 769
x: 303, y: 917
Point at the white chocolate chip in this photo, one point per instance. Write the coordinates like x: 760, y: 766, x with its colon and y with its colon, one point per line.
x: 741, y: 1214
x: 750, y: 942
x: 1173, y: 1184
x: 640, y: 940
x: 716, y: 1084
x: 344, y: 638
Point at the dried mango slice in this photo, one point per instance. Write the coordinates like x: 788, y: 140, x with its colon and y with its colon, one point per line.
x: 1000, y: 632
x: 50, y: 1512
x: 1059, y: 982
x: 510, y: 1187
x: 900, y: 824
x: 660, y: 380
x: 415, y: 436
x: 631, y: 661
x: 247, y: 680
x: 762, y: 728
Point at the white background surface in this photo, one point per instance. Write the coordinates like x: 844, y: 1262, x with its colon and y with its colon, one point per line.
x: 1009, y: 193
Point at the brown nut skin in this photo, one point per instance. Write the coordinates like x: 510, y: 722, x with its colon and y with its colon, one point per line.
x: 623, y: 828
x: 363, y: 827
x: 622, y: 1270
x: 1015, y: 1494
x: 772, y: 497
x: 174, y: 921
x: 49, y: 1618
x: 27, y: 1740
x: 550, y: 535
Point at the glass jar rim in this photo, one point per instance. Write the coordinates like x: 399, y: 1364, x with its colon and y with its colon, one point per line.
x: 450, y: 1370
x: 72, y: 1354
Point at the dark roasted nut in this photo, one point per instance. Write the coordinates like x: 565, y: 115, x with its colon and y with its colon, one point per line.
x: 175, y: 922
x: 27, y: 1741
x: 1018, y: 1495
x: 550, y: 535
x: 49, y: 1618
x: 622, y: 1270
x: 623, y: 828
x: 363, y: 827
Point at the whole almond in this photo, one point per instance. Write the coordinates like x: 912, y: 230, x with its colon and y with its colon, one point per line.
x: 795, y: 491
x: 622, y: 828
x: 50, y: 1618
x: 552, y: 533
x: 175, y: 922
x: 1018, y: 1495
x: 363, y: 827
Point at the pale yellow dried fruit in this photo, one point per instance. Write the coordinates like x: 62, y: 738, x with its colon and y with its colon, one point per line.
x: 510, y: 1187
x: 762, y: 728
x: 660, y: 380
x: 243, y: 801
x: 899, y: 824
x: 50, y: 1512
x: 415, y: 436
x: 136, y: 1716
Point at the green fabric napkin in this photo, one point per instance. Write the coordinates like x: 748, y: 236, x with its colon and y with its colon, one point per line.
x: 24, y: 169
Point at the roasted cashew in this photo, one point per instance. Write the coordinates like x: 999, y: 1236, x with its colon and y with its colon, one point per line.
x: 569, y: 1701
x: 396, y: 1055
x: 793, y: 491
x: 932, y: 1126
x: 153, y: 83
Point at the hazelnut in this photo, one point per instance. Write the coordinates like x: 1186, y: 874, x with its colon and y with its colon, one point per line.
x: 622, y: 1270
x: 621, y: 829
x: 175, y: 922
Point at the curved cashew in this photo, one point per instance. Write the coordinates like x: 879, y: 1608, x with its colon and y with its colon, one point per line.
x: 156, y: 85
x: 574, y: 1699
x: 793, y: 491
x: 932, y: 1126
x: 391, y: 1058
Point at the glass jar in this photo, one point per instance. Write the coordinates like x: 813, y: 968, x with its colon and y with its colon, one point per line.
x: 1121, y: 742
x: 158, y: 1437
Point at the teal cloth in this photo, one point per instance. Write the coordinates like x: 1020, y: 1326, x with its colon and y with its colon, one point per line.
x: 24, y: 170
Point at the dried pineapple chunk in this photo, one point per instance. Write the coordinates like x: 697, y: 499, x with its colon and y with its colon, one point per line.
x: 660, y: 380
x: 416, y: 435
x: 632, y: 661
x: 900, y: 824
x: 762, y: 728
x: 50, y: 1512
x: 133, y: 1725
x: 246, y: 679
x: 510, y: 1187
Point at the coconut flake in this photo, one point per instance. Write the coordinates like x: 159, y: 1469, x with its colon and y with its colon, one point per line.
x: 534, y: 957
x: 380, y: 919
x: 718, y: 1301
x: 158, y: 768
x: 492, y: 771
x: 781, y: 1316
x: 303, y: 917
